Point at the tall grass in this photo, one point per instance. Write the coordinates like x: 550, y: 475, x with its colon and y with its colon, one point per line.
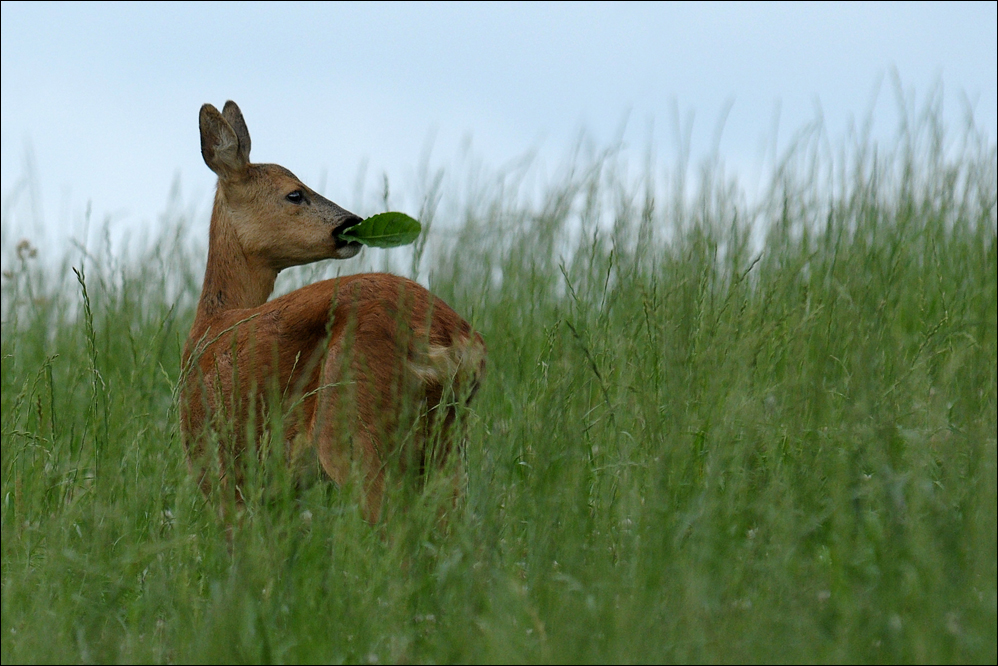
x: 710, y: 431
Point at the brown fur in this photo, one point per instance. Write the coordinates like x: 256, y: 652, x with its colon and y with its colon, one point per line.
x: 348, y: 361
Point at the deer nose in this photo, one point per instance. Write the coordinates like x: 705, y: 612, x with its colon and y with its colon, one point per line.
x: 350, y: 220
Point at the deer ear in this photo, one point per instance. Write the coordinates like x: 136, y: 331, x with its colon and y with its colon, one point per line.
x: 220, y: 144
x: 234, y: 116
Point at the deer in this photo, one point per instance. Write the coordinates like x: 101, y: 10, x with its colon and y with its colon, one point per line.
x: 351, y: 362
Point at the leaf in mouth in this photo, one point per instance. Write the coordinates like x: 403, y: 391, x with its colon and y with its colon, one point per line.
x: 383, y: 230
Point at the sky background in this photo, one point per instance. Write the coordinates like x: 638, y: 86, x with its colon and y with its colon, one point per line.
x: 100, y: 101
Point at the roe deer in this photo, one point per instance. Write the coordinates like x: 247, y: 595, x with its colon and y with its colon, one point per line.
x: 342, y: 358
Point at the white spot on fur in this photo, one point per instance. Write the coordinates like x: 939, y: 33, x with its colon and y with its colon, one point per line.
x: 444, y: 365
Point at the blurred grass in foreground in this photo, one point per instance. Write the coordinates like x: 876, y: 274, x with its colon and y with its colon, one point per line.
x: 708, y: 432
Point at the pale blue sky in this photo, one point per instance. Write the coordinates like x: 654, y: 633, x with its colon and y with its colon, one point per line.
x: 107, y: 95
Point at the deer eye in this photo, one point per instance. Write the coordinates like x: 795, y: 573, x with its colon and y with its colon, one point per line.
x: 295, y: 197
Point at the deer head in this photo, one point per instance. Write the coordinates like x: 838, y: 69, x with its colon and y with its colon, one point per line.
x: 277, y: 219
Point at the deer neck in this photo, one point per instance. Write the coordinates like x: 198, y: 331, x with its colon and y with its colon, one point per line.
x: 233, y: 280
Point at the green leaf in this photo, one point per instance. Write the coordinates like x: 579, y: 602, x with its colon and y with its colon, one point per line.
x: 383, y: 230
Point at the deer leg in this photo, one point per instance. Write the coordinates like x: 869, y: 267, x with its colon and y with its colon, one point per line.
x: 347, y: 439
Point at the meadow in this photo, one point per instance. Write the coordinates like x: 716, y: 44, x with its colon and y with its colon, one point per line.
x: 710, y: 431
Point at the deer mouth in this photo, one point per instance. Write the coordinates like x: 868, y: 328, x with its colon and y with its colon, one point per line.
x: 352, y: 221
